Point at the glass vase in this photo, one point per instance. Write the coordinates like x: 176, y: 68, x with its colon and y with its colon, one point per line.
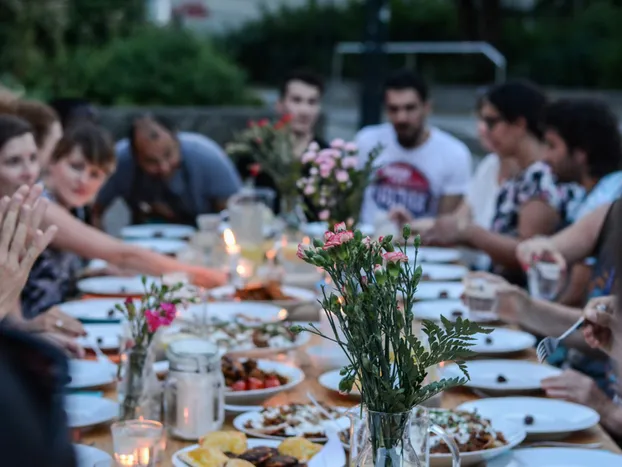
x: 379, y: 439
x: 292, y: 215
x: 139, y: 391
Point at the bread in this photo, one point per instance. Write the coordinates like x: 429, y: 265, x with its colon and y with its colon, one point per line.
x: 234, y: 442
x: 204, y: 457
x: 300, y: 448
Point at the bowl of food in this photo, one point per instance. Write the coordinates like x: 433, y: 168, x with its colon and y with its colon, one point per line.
x: 250, y: 381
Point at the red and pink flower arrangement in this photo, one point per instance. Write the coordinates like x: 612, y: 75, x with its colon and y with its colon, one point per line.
x: 335, y: 181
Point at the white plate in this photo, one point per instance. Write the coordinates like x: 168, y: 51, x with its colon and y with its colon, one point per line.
x: 252, y: 443
x: 430, y: 254
x: 90, y: 374
x: 550, y: 416
x: 442, y: 272
x: 557, y: 457
x: 115, y: 286
x: 238, y: 409
x: 256, y: 312
x: 330, y: 380
x: 327, y: 357
x: 514, y: 435
x: 238, y: 423
x: 434, y: 290
x: 520, y: 375
x: 158, y: 230
x: 93, y: 310
x: 502, y: 340
x: 88, y: 456
x: 163, y: 246
x: 108, y: 333
x: 86, y: 411
x: 297, y: 294
x: 264, y: 352
x: 318, y: 229
x: 434, y: 309
x: 294, y: 375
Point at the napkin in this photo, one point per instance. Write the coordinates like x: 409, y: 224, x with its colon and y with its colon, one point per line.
x: 332, y: 454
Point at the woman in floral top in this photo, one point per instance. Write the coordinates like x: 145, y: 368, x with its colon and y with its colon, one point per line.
x: 529, y: 203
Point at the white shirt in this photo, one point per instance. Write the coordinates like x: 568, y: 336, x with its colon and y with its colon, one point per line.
x: 483, y: 191
x: 413, y: 178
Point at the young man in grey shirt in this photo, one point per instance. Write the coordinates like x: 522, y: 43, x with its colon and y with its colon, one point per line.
x: 168, y: 177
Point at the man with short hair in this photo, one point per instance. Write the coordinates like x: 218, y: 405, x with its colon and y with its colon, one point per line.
x: 166, y: 176
x: 421, y: 168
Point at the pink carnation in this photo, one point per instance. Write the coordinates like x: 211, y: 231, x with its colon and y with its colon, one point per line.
x: 341, y: 227
x: 314, y: 147
x: 378, y: 267
x: 308, y: 157
x: 339, y: 239
x: 302, y: 248
x: 337, y: 143
x: 309, y: 190
x: 351, y: 147
x: 325, y: 171
x: 367, y: 241
x: 163, y: 316
x: 350, y: 162
x: 342, y: 176
x: 323, y: 215
x: 395, y: 257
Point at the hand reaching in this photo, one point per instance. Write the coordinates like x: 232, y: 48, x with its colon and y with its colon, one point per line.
x: 21, y: 241
x: 539, y: 249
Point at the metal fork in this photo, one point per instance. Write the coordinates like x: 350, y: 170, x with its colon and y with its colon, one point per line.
x: 548, y: 345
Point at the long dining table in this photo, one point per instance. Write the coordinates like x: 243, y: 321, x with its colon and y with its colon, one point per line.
x: 100, y: 437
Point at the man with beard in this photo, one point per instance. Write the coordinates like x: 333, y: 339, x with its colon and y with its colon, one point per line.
x: 421, y: 169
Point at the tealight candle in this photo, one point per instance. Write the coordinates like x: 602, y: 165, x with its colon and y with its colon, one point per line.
x: 136, y: 442
x: 233, y: 252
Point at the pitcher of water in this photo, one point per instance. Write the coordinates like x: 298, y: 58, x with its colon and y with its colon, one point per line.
x: 249, y: 213
x: 396, y: 440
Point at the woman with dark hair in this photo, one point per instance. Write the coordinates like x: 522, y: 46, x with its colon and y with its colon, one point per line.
x: 19, y: 164
x: 529, y: 203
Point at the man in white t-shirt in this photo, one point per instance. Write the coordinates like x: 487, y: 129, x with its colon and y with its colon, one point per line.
x: 421, y: 168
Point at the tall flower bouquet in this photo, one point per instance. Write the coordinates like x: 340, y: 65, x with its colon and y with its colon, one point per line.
x: 373, y: 311
x: 335, y: 181
x: 138, y: 391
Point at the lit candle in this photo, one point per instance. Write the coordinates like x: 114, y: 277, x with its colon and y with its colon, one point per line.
x: 136, y: 442
x: 244, y: 270
x: 233, y: 251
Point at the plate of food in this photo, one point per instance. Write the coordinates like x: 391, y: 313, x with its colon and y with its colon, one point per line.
x: 557, y: 457
x: 233, y: 449
x: 115, y: 286
x: 478, y: 439
x: 95, y: 311
x: 240, y: 340
x: 502, y: 341
x: 87, y: 411
x: 293, y: 420
x: 442, y: 272
x: 158, y: 231
x: 450, y: 309
x: 282, y: 296
x: 503, y: 376
x: 248, y: 313
x: 103, y: 336
x: 331, y: 379
x: 430, y: 254
x: 540, y: 417
x: 250, y: 381
x: 164, y: 246
x: 439, y: 290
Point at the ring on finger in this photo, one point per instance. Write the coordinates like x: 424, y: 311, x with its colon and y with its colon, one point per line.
x: 59, y: 324
x: 601, y: 307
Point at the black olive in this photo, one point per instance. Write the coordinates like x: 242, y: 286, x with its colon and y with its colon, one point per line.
x: 528, y: 420
x: 456, y: 313
x: 123, y: 289
x: 100, y: 340
x: 110, y: 313
x: 501, y: 379
x: 489, y: 340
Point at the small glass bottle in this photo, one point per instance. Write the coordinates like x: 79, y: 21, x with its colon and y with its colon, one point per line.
x: 194, y: 392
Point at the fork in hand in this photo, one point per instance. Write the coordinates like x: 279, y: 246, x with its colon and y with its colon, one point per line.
x: 548, y: 345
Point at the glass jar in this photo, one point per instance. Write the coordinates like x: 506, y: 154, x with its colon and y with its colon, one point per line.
x: 138, y: 389
x: 194, y: 391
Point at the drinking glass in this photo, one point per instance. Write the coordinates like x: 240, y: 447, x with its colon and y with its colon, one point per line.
x: 136, y: 443
x: 544, y: 280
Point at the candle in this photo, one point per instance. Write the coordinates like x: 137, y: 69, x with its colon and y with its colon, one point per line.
x: 233, y: 251
x: 136, y: 442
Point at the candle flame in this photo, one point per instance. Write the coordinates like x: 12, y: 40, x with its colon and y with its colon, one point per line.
x: 229, y: 237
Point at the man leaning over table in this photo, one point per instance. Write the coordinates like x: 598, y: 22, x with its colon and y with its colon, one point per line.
x: 168, y: 176
x: 32, y: 370
x: 421, y: 168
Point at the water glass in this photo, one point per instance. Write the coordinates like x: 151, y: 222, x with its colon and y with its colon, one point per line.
x: 544, y: 280
x: 137, y: 443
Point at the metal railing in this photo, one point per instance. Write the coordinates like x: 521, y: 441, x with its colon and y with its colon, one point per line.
x: 411, y: 49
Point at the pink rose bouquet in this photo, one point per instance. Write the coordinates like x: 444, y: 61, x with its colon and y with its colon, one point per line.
x: 336, y: 180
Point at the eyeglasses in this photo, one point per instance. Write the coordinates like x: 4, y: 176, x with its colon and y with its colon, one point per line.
x: 491, y: 122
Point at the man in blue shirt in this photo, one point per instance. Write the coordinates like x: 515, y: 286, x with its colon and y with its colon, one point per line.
x: 165, y: 176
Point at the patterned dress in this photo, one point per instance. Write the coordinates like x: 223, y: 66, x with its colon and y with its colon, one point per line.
x: 52, y: 279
